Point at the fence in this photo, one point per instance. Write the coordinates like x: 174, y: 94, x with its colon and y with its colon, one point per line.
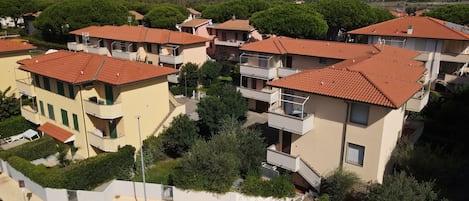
x: 117, y: 188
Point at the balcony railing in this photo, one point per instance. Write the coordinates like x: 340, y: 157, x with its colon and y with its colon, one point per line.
x: 231, y: 43
x: 257, y: 65
x: 105, y: 143
x: 101, y: 110
x: 26, y: 87
x: 74, y: 46
x: 131, y: 56
x: 267, y: 73
x: 97, y: 50
x: 30, y: 114
x: 170, y: 59
x: 173, y: 78
x: 284, y: 72
x: 418, y: 101
x: 290, y: 115
x: 294, y: 164
x: 265, y: 95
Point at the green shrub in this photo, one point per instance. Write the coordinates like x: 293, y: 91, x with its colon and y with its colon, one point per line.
x: 153, y: 152
x: 279, y: 187
x: 42, y: 43
x: 14, y: 126
x: 181, y: 90
x: 339, y: 184
x: 40, y: 148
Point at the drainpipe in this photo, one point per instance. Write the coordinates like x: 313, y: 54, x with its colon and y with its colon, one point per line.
x: 84, y: 122
x: 344, y: 135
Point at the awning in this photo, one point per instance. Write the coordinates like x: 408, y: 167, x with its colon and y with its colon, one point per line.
x: 56, y: 132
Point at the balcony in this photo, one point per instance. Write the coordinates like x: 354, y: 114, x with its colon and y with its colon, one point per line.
x: 97, y: 50
x: 26, y: 87
x: 173, y: 78
x: 99, y: 109
x: 170, y: 59
x: 256, y: 65
x: 294, y: 164
x: 418, y: 101
x: 231, y: 43
x: 74, y: 46
x: 131, y: 56
x: 105, y: 143
x: 284, y: 72
x: 266, y: 95
x: 251, y: 71
x: 290, y: 115
x: 30, y: 114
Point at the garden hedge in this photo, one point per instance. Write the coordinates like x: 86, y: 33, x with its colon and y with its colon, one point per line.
x: 279, y: 187
x: 14, y: 125
x: 40, y: 148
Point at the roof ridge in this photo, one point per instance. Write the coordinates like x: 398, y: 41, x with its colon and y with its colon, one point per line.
x: 98, y: 71
x: 377, y: 87
x: 434, y: 20
x: 280, y: 46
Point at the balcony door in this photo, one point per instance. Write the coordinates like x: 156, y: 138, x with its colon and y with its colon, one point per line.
x: 112, y: 128
x: 109, y: 94
x: 286, y: 142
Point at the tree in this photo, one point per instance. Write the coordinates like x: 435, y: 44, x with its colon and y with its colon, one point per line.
x: 381, y: 14
x: 16, y: 8
x: 190, y: 75
x: 227, y: 103
x: 299, y: 21
x: 240, y: 9
x: 209, y: 72
x: 339, y: 184
x: 344, y: 15
x: 58, y: 19
x: 9, y: 105
x: 180, y: 136
x: 402, y: 187
x: 166, y: 16
x: 457, y: 13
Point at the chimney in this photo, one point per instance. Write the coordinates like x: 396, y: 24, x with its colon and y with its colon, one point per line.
x: 410, y: 29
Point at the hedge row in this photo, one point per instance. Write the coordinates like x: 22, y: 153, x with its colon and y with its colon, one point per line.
x: 40, y: 148
x: 14, y: 125
x: 279, y: 187
x: 181, y: 90
x: 42, y: 43
x: 84, y: 175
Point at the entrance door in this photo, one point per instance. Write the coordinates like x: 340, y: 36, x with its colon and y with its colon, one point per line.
x: 286, y: 142
x: 109, y: 94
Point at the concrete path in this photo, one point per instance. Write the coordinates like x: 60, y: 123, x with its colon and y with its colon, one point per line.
x: 10, y: 191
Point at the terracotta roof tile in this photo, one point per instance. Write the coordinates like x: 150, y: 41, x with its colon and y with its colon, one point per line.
x: 196, y: 22
x: 233, y: 24
x: 193, y: 11
x: 84, y: 67
x: 11, y: 46
x: 423, y: 27
x: 140, y: 34
x: 56, y: 132
x: 137, y: 15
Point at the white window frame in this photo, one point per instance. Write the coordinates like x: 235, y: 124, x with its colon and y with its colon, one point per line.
x: 358, y: 115
x: 355, y: 154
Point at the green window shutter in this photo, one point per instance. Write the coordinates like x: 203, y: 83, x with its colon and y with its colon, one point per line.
x: 109, y: 94
x: 46, y: 83
x: 60, y: 88
x: 75, y: 122
x: 64, y: 117
x: 41, y: 107
x: 71, y: 91
x: 50, y: 109
x: 36, y: 80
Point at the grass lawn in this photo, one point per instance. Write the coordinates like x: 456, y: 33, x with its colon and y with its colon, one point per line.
x: 159, y: 172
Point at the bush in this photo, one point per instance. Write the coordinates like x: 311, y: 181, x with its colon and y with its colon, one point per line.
x: 181, y: 90
x: 153, y: 148
x: 41, y: 43
x: 40, y: 148
x: 279, y: 187
x: 14, y: 126
x: 339, y: 184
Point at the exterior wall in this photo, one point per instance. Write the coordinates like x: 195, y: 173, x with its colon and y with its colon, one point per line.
x: 255, y: 35
x: 9, y: 72
x: 202, y: 31
x: 308, y: 62
x: 456, y: 47
x: 195, y: 53
x: 230, y: 35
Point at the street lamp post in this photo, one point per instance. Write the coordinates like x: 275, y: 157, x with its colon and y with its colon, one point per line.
x: 141, y: 158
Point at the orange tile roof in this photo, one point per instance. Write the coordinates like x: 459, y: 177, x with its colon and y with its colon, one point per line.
x: 137, y: 15
x: 11, y: 46
x: 196, y: 22
x: 423, y: 27
x: 234, y: 24
x: 140, y: 34
x: 193, y: 11
x: 56, y: 132
x: 375, y: 74
x: 84, y: 67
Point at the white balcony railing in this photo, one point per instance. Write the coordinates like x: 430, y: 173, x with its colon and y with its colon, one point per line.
x: 131, y: 56
x: 266, y: 73
x: 231, y: 43
x: 173, y: 78
x: 284, y: 72
x: 418, y: 101
x: 290, y: 115
x: 74, y: 46
x: 30, y: 114
x: 170, y: 59
x: 105, y: 143
x: 97, y: 50
x: 101, y: 110
x: 265, y: 95
x: 26, y: 87
x: 257, y: 65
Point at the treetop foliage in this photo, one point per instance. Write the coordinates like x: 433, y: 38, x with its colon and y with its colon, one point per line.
x: 241, y: 9
x: 458, y: 14
x: 166, y: 16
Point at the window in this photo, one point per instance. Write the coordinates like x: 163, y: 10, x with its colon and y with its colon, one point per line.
x: 359, y: 113
x: 149, y: 47
x: 289, y: 62
x: 64, y: 117
x: 46, y: 83
x: 41, y: 107
x: 50, y: 110
x: 37, y: 81
x: 71, y: 91
x: 75, y: 122
x: 355, y: 154
x: 223, y: 36
x: 60, y: 88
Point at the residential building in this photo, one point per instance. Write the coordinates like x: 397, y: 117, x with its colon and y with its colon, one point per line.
x: 10, y: 52
x: 444, y: 45
x: 229, y: 36
x: 138, y: 17
x: 95, y: 102
x: 193, y: 14
x: 196, y: 27
x: 154, y: 46
x: 335, y: 105
x: 29, y: 18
